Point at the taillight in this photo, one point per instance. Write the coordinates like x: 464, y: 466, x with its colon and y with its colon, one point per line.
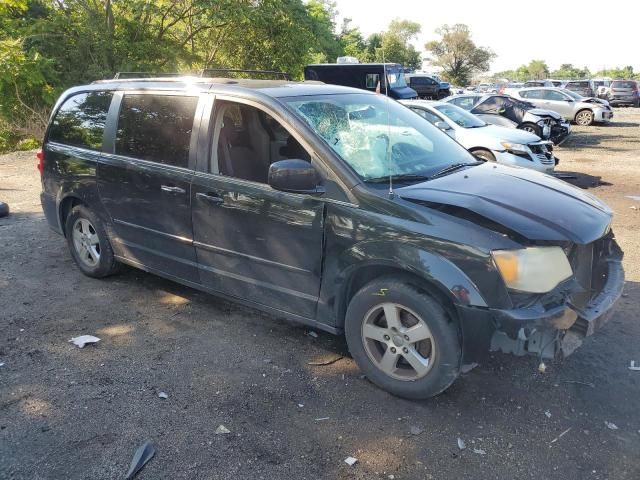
x: 40, y: 157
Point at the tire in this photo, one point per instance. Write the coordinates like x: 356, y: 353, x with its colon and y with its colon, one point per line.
x: 584, y: 118
x: 531, y: 128
x: 437, y: 351
x: 4, y: 209
x: 484, y: 154
x: 89, y: 244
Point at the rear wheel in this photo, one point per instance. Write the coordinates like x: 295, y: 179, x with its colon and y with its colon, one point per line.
x: 89, y: 244
x: 584, y: 118
x: 532, y: 128
x: 402, y: 338
x: 484, y: 154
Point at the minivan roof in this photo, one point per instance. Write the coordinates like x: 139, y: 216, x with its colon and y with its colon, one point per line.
x: 272, y: 88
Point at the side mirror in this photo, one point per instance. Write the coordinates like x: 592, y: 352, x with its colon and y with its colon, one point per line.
x: 442, y: 125
x: 295, y: 176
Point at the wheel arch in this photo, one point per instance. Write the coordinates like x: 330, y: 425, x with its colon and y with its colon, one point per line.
x: 65, y: 205
x: 434, y: 275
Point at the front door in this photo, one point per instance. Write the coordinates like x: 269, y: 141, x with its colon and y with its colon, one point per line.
x: 145, y: 182
x: 558, y: 102
x: 254, y: 242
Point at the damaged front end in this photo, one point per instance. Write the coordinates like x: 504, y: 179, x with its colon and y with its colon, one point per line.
x: 555, y: 324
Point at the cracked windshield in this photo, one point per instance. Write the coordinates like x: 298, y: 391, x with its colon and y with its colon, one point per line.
x: 378, y: 137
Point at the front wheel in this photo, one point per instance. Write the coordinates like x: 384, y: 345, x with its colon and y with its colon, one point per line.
x: 584, y: 118
x: 89, y: 244
x: 532, y: 128
x: 402, y: 338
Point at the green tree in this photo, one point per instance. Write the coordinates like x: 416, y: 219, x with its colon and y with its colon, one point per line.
x: 457, y: 54
x: 352, y: 41
x: 538, y: 70
x: 396, y: 47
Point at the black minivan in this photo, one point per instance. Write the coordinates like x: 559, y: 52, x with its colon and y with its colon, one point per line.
x: 334, y: 207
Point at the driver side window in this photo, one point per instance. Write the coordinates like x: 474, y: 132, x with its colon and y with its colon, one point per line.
x: 248, y: 140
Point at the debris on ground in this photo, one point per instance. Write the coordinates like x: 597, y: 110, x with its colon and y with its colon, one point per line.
x: 633, y: 197
x: 2, y: 364
x: 415, y: 430
x: 322, y: 363
x: 461, y: 444
x: 633, y: 367
x: 321, y: 419
x: 144, y: 453
x: 468, y: 367
x: 479, y: 451
x: 313, y: 334
x: 559, y: 436
x: 83, y: 340
x: 163, y: 395
x: 351, y: 461
x: 548, y: 414
x: 610, y: 425
x: 4, y: 209
x: 577, y: 382
x: 542, y: 367
x: 222, y: 430
x: 300, y: 405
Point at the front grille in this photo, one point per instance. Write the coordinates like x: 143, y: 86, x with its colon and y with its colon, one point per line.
x: 541, y: 153
x: 590, y: 268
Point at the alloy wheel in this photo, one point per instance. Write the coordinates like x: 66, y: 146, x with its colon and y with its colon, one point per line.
x: 398, y: 341
x: 86, y: 242
x: 584, y: 118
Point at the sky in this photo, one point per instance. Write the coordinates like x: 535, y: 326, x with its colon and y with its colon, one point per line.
x: 584, y: 33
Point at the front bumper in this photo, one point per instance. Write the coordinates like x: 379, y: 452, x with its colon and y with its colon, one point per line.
x: 541, y: 330
x: 602, y: 115
x: 533, y: 161
x: 559, y: 132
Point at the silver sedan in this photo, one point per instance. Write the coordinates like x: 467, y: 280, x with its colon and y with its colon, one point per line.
x: 572, y: 106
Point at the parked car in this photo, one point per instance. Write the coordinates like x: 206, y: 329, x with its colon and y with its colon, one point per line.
x: 510, y: 86
x: 546, y: 124
x: 488, y: 142
x: 538, y: 83
x: 624, y: 92
x: 333, y: 207
x: 428, y: 87
x: 581, y: 110
x: 600, y: 86
x: 581, y: 87
x: 367, y: 76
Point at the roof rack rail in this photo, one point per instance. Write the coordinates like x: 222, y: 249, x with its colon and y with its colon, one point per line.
x: 122, y: 75
x: 207, y: 72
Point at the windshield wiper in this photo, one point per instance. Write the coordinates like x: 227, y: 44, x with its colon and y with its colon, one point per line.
x: 455, y: 166
x: 403, y: 177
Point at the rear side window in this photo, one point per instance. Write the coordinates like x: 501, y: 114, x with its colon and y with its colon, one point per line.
x: 618, y: 84
x: 80, y: 120
x: 372, y: 80
x: 156, y: 128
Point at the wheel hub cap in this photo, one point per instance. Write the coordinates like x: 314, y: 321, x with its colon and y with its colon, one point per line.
x: 398, y: 342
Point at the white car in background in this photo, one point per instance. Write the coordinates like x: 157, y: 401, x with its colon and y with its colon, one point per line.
x: 508, y: 146
x: 572, y: 106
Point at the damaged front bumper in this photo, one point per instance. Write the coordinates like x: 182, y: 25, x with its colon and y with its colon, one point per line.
x: 542, y: 331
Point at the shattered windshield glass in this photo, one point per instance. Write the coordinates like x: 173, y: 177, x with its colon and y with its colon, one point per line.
x: 376, y: 136
x: 396, y: 78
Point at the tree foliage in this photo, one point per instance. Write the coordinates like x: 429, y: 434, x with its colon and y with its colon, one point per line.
x: 457, y: 54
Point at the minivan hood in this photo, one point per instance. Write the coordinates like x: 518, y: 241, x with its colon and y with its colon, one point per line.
x: 532, y: 204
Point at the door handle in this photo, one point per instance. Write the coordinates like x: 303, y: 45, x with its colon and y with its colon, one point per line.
x: 210, y: 197
x: 172, y: 189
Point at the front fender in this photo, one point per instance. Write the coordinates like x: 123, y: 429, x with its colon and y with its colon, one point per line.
x: 433, y: 268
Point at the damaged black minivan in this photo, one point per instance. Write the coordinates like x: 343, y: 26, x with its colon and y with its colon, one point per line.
x: 334, y: 207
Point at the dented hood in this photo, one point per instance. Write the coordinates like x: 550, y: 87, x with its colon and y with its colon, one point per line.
x: 532, y: 204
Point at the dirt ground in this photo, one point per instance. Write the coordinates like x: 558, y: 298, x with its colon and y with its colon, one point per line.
x: 69, y: 413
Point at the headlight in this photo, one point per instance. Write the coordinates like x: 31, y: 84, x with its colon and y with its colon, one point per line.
x: 515, y: 147
x: 533, y: 269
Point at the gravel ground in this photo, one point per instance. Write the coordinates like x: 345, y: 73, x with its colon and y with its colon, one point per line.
x: 69, y: 413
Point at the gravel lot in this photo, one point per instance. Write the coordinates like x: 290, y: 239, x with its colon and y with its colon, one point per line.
x: 69, y: 413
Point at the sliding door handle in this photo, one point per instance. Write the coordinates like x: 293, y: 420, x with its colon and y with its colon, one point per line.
x: 172, y: 189
x: 210, y: 197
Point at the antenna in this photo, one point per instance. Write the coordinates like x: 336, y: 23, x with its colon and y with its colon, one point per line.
x: 386, y: 102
